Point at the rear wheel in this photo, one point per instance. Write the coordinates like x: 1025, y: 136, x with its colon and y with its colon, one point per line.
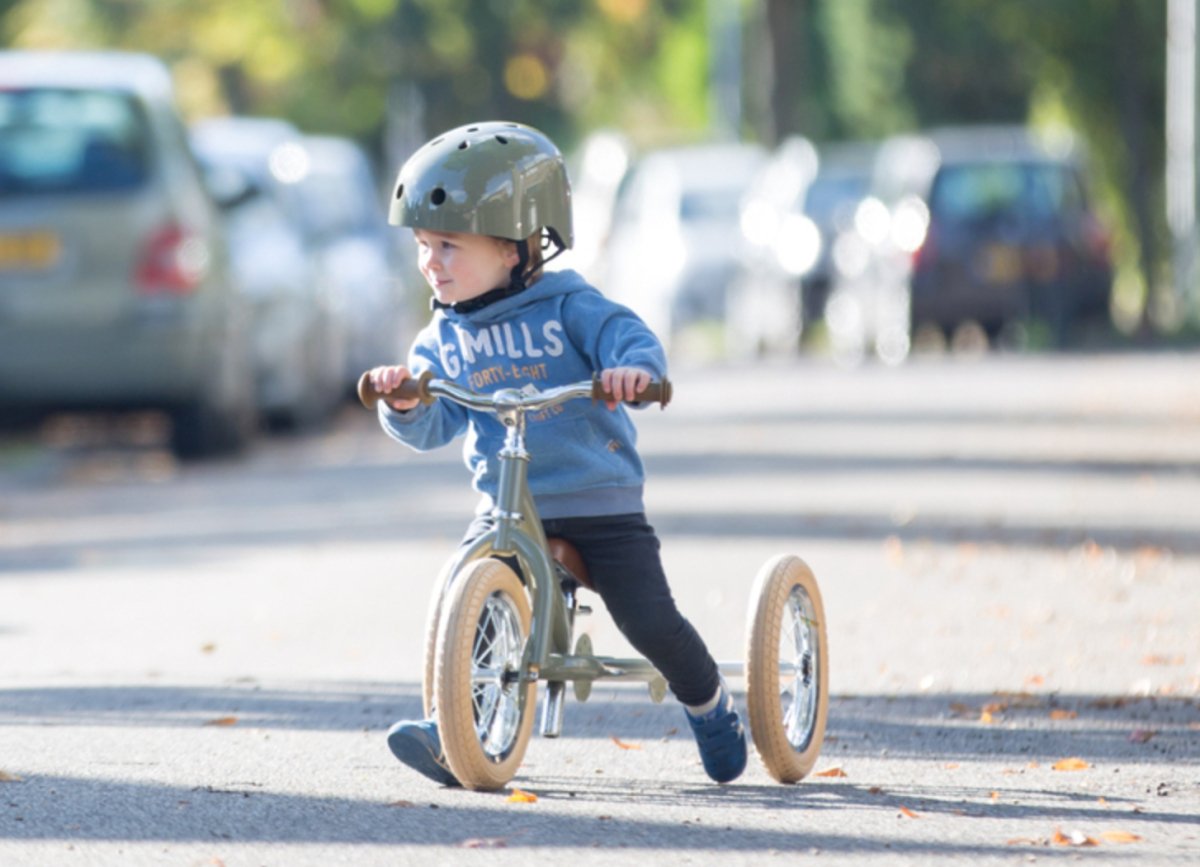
x: 485, y: 711
x: 787, y: 669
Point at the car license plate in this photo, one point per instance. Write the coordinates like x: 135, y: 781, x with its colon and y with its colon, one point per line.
x: 1003, y: 264
x: 29, y: 251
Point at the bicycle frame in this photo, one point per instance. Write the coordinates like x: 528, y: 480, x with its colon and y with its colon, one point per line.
x: 518, y: 534
x: 786, y: 669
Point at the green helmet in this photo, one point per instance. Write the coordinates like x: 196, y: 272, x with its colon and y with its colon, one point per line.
x: 495, y: 178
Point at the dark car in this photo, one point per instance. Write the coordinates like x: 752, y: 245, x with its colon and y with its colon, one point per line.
x: 968, y: 230
x: 114, y: 290
x: 1011, y: 236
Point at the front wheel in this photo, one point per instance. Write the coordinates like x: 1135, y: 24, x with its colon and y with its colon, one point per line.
x: 787, y: 669
x: 485, y: 711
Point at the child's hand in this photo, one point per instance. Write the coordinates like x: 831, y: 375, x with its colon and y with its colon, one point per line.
x: 387, y: 379
x: 623, y: 383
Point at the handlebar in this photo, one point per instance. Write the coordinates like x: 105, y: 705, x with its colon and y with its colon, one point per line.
x: 427, y: 389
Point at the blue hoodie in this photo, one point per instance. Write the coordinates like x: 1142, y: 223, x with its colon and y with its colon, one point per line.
x: 558, y: 331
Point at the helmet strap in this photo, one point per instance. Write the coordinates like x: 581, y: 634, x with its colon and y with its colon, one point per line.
x: 521, y: 272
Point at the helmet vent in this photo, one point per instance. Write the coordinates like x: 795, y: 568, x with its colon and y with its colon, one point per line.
x: 437, y: 197
x: 501, y: 139
x: 463, y: 145
x: 400, y: 191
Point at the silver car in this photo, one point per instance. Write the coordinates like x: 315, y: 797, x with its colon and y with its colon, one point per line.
x: 674, y: 246
x: 114, y: 292
x: 256, y: 168
x: 358, y: 262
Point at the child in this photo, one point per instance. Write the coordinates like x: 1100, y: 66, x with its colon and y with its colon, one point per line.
x: 482, y: 201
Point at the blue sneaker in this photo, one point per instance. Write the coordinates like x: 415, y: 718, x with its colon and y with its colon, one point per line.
x: 721, y: 739
x: 417, y: 745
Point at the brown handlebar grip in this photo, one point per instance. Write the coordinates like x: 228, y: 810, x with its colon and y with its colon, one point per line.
x: 656, y: 392
x: 410, y: 389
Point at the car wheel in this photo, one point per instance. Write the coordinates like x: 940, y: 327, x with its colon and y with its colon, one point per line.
x: 225, y: 419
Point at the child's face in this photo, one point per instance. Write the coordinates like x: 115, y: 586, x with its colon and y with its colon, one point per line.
x: 460, y: 267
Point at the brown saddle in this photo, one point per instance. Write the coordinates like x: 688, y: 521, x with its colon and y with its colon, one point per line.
x: 568, y: 555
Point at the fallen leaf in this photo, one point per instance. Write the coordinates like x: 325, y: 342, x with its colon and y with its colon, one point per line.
x: 1120, y: 837
x: 875, y: 790
x: 625, y: 746
x: 1075, y: 838
x: 959, y: 709
x: 1035, y: 680
x: 985, y: 717
x: 1071, y: 764
x: 484, y: 843
x: 402, y: 803
x: 1025, y: 841
x: 520, y: 796
x: 995, y: 796
x: 1022, y: 700
x: 6, y: 777
x: 909, y: 813
x: 1141, y: 736
x: 223, y: 721
x: 1064, y: 714
x: 951, y: 766
x: 995, y: 707
x: 208, y: 648
x: 832, y: 772
x: 1161, y: 659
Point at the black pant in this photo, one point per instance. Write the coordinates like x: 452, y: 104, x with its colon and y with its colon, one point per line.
x: 622, y: 559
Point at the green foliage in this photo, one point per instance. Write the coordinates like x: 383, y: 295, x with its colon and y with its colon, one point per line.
x: 869, y: 54
x: 842, y: 69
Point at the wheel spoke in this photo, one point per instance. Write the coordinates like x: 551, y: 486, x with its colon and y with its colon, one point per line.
x: 496, y: 654
x: 797, y: 690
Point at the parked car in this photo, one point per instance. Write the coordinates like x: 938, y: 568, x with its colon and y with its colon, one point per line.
x: 355, y: 254
x: 988, y: 228
x: 842, y: 181
x: 675, y: 241
x: 778, y: 244
x: 1011, y: 235
x: 801, y: 201
x: 255, y: 168
x: 114, y: 287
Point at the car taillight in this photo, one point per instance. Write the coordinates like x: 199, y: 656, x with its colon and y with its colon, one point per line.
x: 923, y: 255
x: 173, y: 262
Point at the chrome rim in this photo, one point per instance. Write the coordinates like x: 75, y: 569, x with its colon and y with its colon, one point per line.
x: 495, y: 670
x: 798, y: 666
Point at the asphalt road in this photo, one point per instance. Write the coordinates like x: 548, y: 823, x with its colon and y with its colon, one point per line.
x: 197, y: 663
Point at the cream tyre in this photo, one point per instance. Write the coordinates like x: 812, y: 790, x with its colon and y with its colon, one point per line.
x: 484, y: 709
x: 787, y: 669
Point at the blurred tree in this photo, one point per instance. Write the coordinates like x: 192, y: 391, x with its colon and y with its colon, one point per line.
x: 825, y: 68
x: 333, y: 65
x: 885, y: 66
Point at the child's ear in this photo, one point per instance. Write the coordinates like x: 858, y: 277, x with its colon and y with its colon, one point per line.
x: 508, y: 253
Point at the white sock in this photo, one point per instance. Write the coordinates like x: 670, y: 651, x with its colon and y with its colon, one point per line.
x: 702, y: 709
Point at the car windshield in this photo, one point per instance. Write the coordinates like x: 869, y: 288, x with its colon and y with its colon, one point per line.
x: 828, y: 193
x: 64, y: 141
x: 983, y: 192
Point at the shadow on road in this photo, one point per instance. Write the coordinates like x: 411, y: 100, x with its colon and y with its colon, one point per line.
x: 1024, y: 727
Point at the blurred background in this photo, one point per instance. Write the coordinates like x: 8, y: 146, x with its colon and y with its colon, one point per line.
x: 857, y: 179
